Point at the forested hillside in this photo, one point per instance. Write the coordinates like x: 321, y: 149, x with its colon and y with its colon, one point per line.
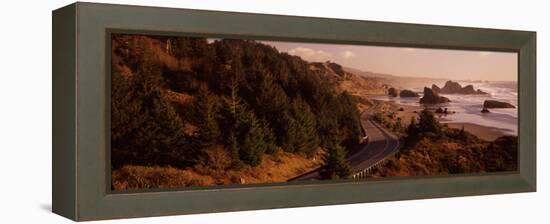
x: 175, y: 98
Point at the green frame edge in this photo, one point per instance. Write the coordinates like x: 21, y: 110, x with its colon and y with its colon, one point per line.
x: 80, y: 122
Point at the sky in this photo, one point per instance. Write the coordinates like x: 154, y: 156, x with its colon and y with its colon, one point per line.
x: 412, y: 62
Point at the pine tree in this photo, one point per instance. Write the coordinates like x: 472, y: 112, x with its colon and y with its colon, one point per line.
x: 269, y: 138
x: 233, y: 102
x: 349, y: 117
x: 303, y: 127
x: 288, y: 133
x: 271, y: 98
x: 252, y: 145
x: 428, y: 123
x: 413, y: 133
x: 206, y: 113
x: 233, y: 105
x: 147, y: 129
x: 233, y: 143
x: 125, y: 110
x: 247, y: 138
x: 328, y: 126
x: 398, y: 127
x: 336, y: 166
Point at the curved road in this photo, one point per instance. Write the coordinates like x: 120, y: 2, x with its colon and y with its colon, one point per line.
x: 380, y: 146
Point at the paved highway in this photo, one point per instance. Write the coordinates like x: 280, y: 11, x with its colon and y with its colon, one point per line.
x: 380, y: 146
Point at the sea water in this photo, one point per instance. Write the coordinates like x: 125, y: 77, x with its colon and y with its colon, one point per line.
x: 467, y: 108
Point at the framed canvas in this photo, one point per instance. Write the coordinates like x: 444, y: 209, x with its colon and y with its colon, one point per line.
x: 162, y: 111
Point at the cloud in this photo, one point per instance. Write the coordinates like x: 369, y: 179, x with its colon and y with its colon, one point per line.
x: 310, y: 54
x: 347, y: 54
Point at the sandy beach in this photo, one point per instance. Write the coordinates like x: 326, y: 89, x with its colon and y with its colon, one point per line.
x: 483, y: 132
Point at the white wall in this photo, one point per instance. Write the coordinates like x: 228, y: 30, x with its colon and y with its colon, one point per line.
x: 25, y: 112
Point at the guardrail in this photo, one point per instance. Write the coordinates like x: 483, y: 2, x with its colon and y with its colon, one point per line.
x: 362, y: 174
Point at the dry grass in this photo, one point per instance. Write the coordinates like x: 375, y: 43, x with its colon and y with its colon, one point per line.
x: 216, y: 171
x: 139, y: 177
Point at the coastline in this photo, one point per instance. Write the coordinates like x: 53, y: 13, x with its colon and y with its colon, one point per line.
x: 482, y: 132
x: 486, y: 133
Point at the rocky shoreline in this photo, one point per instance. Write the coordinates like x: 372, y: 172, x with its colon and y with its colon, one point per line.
x: 405, y: 112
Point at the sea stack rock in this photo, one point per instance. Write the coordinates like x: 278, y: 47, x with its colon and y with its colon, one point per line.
x: 430, y: 97
x: 408, y: 93
x: 392, y: 92
x: 451, y: 87
x: 436, y: 88
x: 469, y: 89
x: 455, y: 88
x: 497, y: 104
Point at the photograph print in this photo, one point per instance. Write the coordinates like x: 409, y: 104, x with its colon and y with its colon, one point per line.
x: 199, y: 111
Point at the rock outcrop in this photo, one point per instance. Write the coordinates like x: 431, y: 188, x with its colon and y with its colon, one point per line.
x: 408, y: 93
x: 469, y: 89
x: 436, y: 88
x: 431, y: 97
x: 440, y: 110
x: 485, y: 110
x: 392, y: 92
x: 455, y: 88
x: 497, y: 104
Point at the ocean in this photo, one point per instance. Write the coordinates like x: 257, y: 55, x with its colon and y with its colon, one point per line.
x: 468, y: 107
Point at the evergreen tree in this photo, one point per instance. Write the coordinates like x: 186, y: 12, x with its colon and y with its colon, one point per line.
x: 233, y: 105
x: 412, y: 129
x: 233, y: 101
x: 288, y: 132
x: 349, y: 117
x: 413, y: 133
x: 336, y: 166
x: 147, y: 129
x: 247, y: 138
x: 428, y: 123
x: 206, y: 113
x: 398, y: 127
x: 234, y: 150
x: 269, y: 138
x: 303, y: 126
x: 248, y: 96
x: 328, y: 127
x: 252, y: 140
x: 271, y: 98
x: 125, y: 110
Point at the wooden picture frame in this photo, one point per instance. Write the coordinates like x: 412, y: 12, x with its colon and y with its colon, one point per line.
x: 81, y: 33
